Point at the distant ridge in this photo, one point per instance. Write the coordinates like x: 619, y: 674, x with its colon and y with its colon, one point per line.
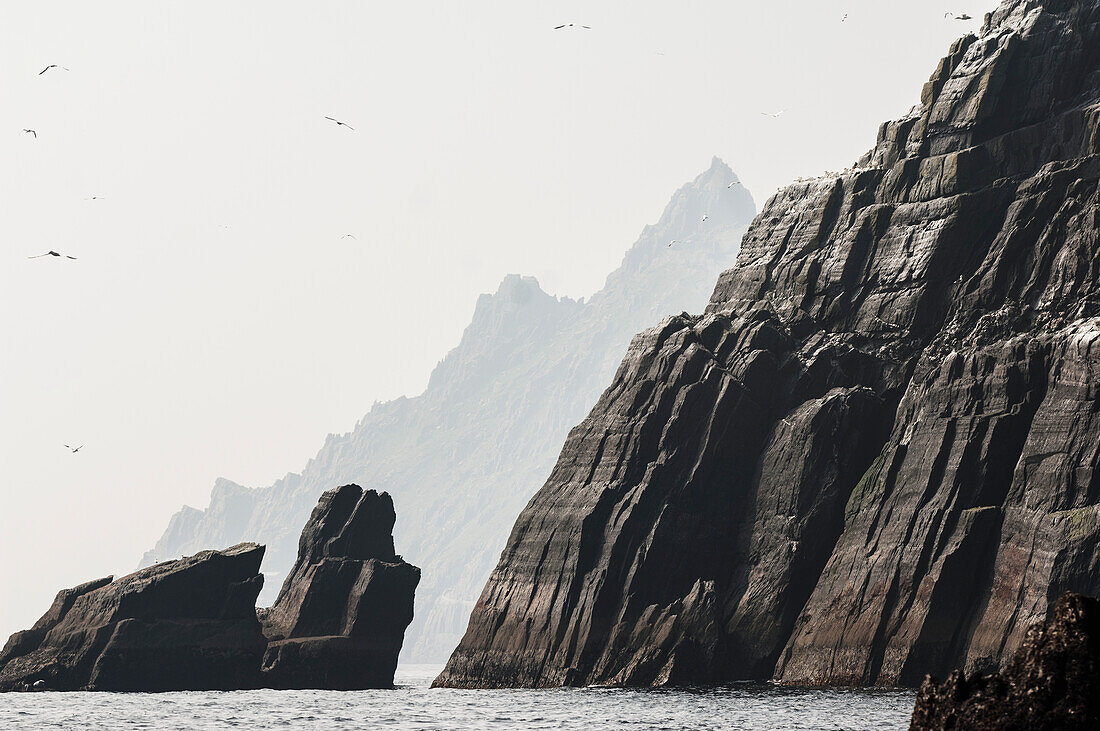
x: 463, y: 458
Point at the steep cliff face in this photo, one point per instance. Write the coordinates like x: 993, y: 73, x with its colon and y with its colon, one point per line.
x: 875, y: 455
x: 188, y: 624
x: 464, y: 457
x: 340, y: 618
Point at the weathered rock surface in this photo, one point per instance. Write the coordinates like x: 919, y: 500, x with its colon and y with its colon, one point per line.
x: 188, y: 624
x: 340, y: 618
x: 465, y: 456
x: 1053, y: 683
x: 875, y: 456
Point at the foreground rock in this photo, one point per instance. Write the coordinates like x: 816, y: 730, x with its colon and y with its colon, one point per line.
x: 1053, y: 683
x: 188, y: 624
x: 340, y: 618
x: 877, y: 454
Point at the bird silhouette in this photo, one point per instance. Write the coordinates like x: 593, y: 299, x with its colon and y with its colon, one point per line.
x: 74, y: 449
x: 340, y: 124
x: 670, y: 243
x: 962, y: 16
x: 736, y: 182
x: 844, y: 18
x: 52, y: 66
x: 51, y: 253
x: 705, y: 216
x: 572, y: 25
x: 349, y: 236
x: 31, y: 132
x: 775, y: 115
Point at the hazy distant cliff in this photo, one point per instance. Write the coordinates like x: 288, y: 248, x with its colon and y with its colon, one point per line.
x: 877, y: 453
x: 463, y: 458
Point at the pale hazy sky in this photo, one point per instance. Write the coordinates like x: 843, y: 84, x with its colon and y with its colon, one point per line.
x: 216, y: 323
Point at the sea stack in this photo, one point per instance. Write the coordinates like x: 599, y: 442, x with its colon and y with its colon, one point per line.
x: 340, y: 618
x: 875, y: 455
x: 1053, y: 683
x: 188, y: 624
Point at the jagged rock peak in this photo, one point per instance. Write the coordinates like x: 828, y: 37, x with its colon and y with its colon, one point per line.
x: 339, y: 621
x: 349, y: 522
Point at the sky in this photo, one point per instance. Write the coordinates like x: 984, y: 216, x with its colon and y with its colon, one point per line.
x: 251, y: 276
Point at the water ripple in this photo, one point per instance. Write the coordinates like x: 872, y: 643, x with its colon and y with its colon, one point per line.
x: 744, y: 707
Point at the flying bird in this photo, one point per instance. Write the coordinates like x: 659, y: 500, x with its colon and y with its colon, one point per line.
x: 670, y: 243
x: 52, y: 66
x: 844, y: 18
x: 31, y: 132
x: 705, y: 216
x: 51, y: 253
x: 94, y: 198
x: 340, y: 124
x: 572, y: 25
x: 736, y: 182
x: 74, y: 449
x: 775, y: 115
x: 349, y: 236
x: 963, y: 16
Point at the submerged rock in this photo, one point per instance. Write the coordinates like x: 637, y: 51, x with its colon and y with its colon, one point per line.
x: 1052, y: 684
x: 877, y: 454
x: 188, y: 624
x: 340, y: 618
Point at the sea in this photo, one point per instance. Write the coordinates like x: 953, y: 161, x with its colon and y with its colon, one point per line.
x: 414, y: 705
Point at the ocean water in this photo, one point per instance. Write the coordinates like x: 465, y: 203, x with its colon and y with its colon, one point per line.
x: 413, y: 705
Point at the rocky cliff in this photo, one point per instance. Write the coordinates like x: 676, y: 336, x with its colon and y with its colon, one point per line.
x: 188, y: 624
x: 464, y: 457
x: 1053, y: 683
x: 875, y: 455
x: 340, y: 618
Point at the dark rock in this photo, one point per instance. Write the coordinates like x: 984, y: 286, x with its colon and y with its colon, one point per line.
x: 1053, y: 683
x: 877, y: 454
x: 188, y: 624
x: 340, y: 618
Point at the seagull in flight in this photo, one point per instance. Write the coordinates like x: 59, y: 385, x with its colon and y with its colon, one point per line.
x: 963, y: 16
x: 51, y: 253
x: 31, y: 132
x: 572, y: 25
x: 94, y: 198
x: 340, y: 124
x: 52, y: 66
x: 844, y: 18
x: 74, y: 449
x: 670, y: 243
x: 736, y: 182
x: 349, y: 236
x: 775, y: 115
x: 705, y: 216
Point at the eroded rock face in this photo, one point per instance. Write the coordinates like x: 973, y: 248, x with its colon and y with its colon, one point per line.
x: 188, y: 624
x: 1053, y: 683
x: 875, y: 455
x: 340, y: 618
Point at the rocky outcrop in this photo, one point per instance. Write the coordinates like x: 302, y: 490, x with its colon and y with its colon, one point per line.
x: 1053, y: 683
x: 877, y: 453
x: 465, y: 456
x: 188, y: 624
x: 340, y: 618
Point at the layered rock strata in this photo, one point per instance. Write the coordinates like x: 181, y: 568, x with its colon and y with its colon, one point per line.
x: 875, y: 456
x: 340, y: 618
x: 1053, y: 683
x: 188, y: 624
